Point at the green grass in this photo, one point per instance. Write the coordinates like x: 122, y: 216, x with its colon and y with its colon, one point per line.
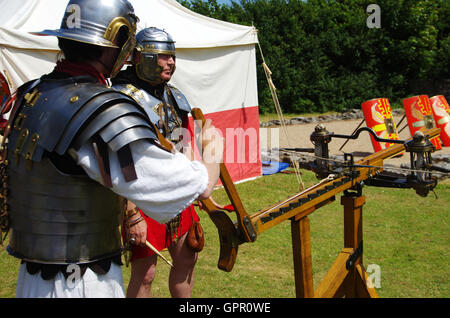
x: 406, y: 235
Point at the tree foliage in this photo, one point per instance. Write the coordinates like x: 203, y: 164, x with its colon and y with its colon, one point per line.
x: 323, y: 57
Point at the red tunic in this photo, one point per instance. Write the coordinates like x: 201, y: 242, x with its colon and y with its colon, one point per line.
x: 159, y: 235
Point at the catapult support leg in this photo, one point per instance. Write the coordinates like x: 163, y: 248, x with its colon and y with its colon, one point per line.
x: 353, y: 221
x: 352, y: 236
x: 364, y: 286
x: 333, y: 282
x: 356, y: 283
x: 347, y: 276
x: 301, y: 247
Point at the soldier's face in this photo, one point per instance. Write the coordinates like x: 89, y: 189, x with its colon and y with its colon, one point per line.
x: 167, y: 63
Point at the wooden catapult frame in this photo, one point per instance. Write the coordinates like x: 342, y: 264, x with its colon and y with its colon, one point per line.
x: 347, y: 276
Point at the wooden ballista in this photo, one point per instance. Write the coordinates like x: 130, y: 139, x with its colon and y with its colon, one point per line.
x: 347, y: 276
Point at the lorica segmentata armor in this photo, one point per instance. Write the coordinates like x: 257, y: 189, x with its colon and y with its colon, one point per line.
x: 61, y: 217
x: 173, y: 105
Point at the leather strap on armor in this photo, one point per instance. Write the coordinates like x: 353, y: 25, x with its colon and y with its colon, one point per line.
x: 101, y: 153
x: 126, y: 163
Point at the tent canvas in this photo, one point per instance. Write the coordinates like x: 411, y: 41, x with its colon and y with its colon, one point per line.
x: 216, y: 65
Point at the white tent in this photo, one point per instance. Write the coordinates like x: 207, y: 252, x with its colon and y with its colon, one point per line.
x: 216, y: 65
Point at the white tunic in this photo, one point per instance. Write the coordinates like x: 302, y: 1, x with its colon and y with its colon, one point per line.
x: 91, y: 285
x: 167, y: 183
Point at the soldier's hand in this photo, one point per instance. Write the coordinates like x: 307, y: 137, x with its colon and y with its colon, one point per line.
x: 213, y: 143
x: 138, y: 230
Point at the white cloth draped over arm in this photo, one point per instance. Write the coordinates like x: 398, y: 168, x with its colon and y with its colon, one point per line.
x: 167, y: 183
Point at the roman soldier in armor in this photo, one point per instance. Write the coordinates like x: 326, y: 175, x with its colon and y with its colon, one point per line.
x: 76, y: 150
x: 146, y: 81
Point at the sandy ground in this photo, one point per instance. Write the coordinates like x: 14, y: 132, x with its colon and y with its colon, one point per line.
x: 298, y: 137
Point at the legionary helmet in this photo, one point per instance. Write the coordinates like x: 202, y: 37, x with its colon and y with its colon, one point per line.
x: 98, y: 22
x: 151, y: 42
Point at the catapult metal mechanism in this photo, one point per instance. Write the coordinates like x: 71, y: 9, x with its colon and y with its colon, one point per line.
x: 420, y: 173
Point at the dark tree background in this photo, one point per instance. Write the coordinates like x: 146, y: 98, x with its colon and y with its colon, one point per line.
x: 325, y: 58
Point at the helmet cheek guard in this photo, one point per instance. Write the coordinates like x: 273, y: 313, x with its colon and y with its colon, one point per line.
x: 148, y: 68
x: 125, y: 52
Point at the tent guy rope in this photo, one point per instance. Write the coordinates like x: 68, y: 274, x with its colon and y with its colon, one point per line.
x: 273, y: 89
